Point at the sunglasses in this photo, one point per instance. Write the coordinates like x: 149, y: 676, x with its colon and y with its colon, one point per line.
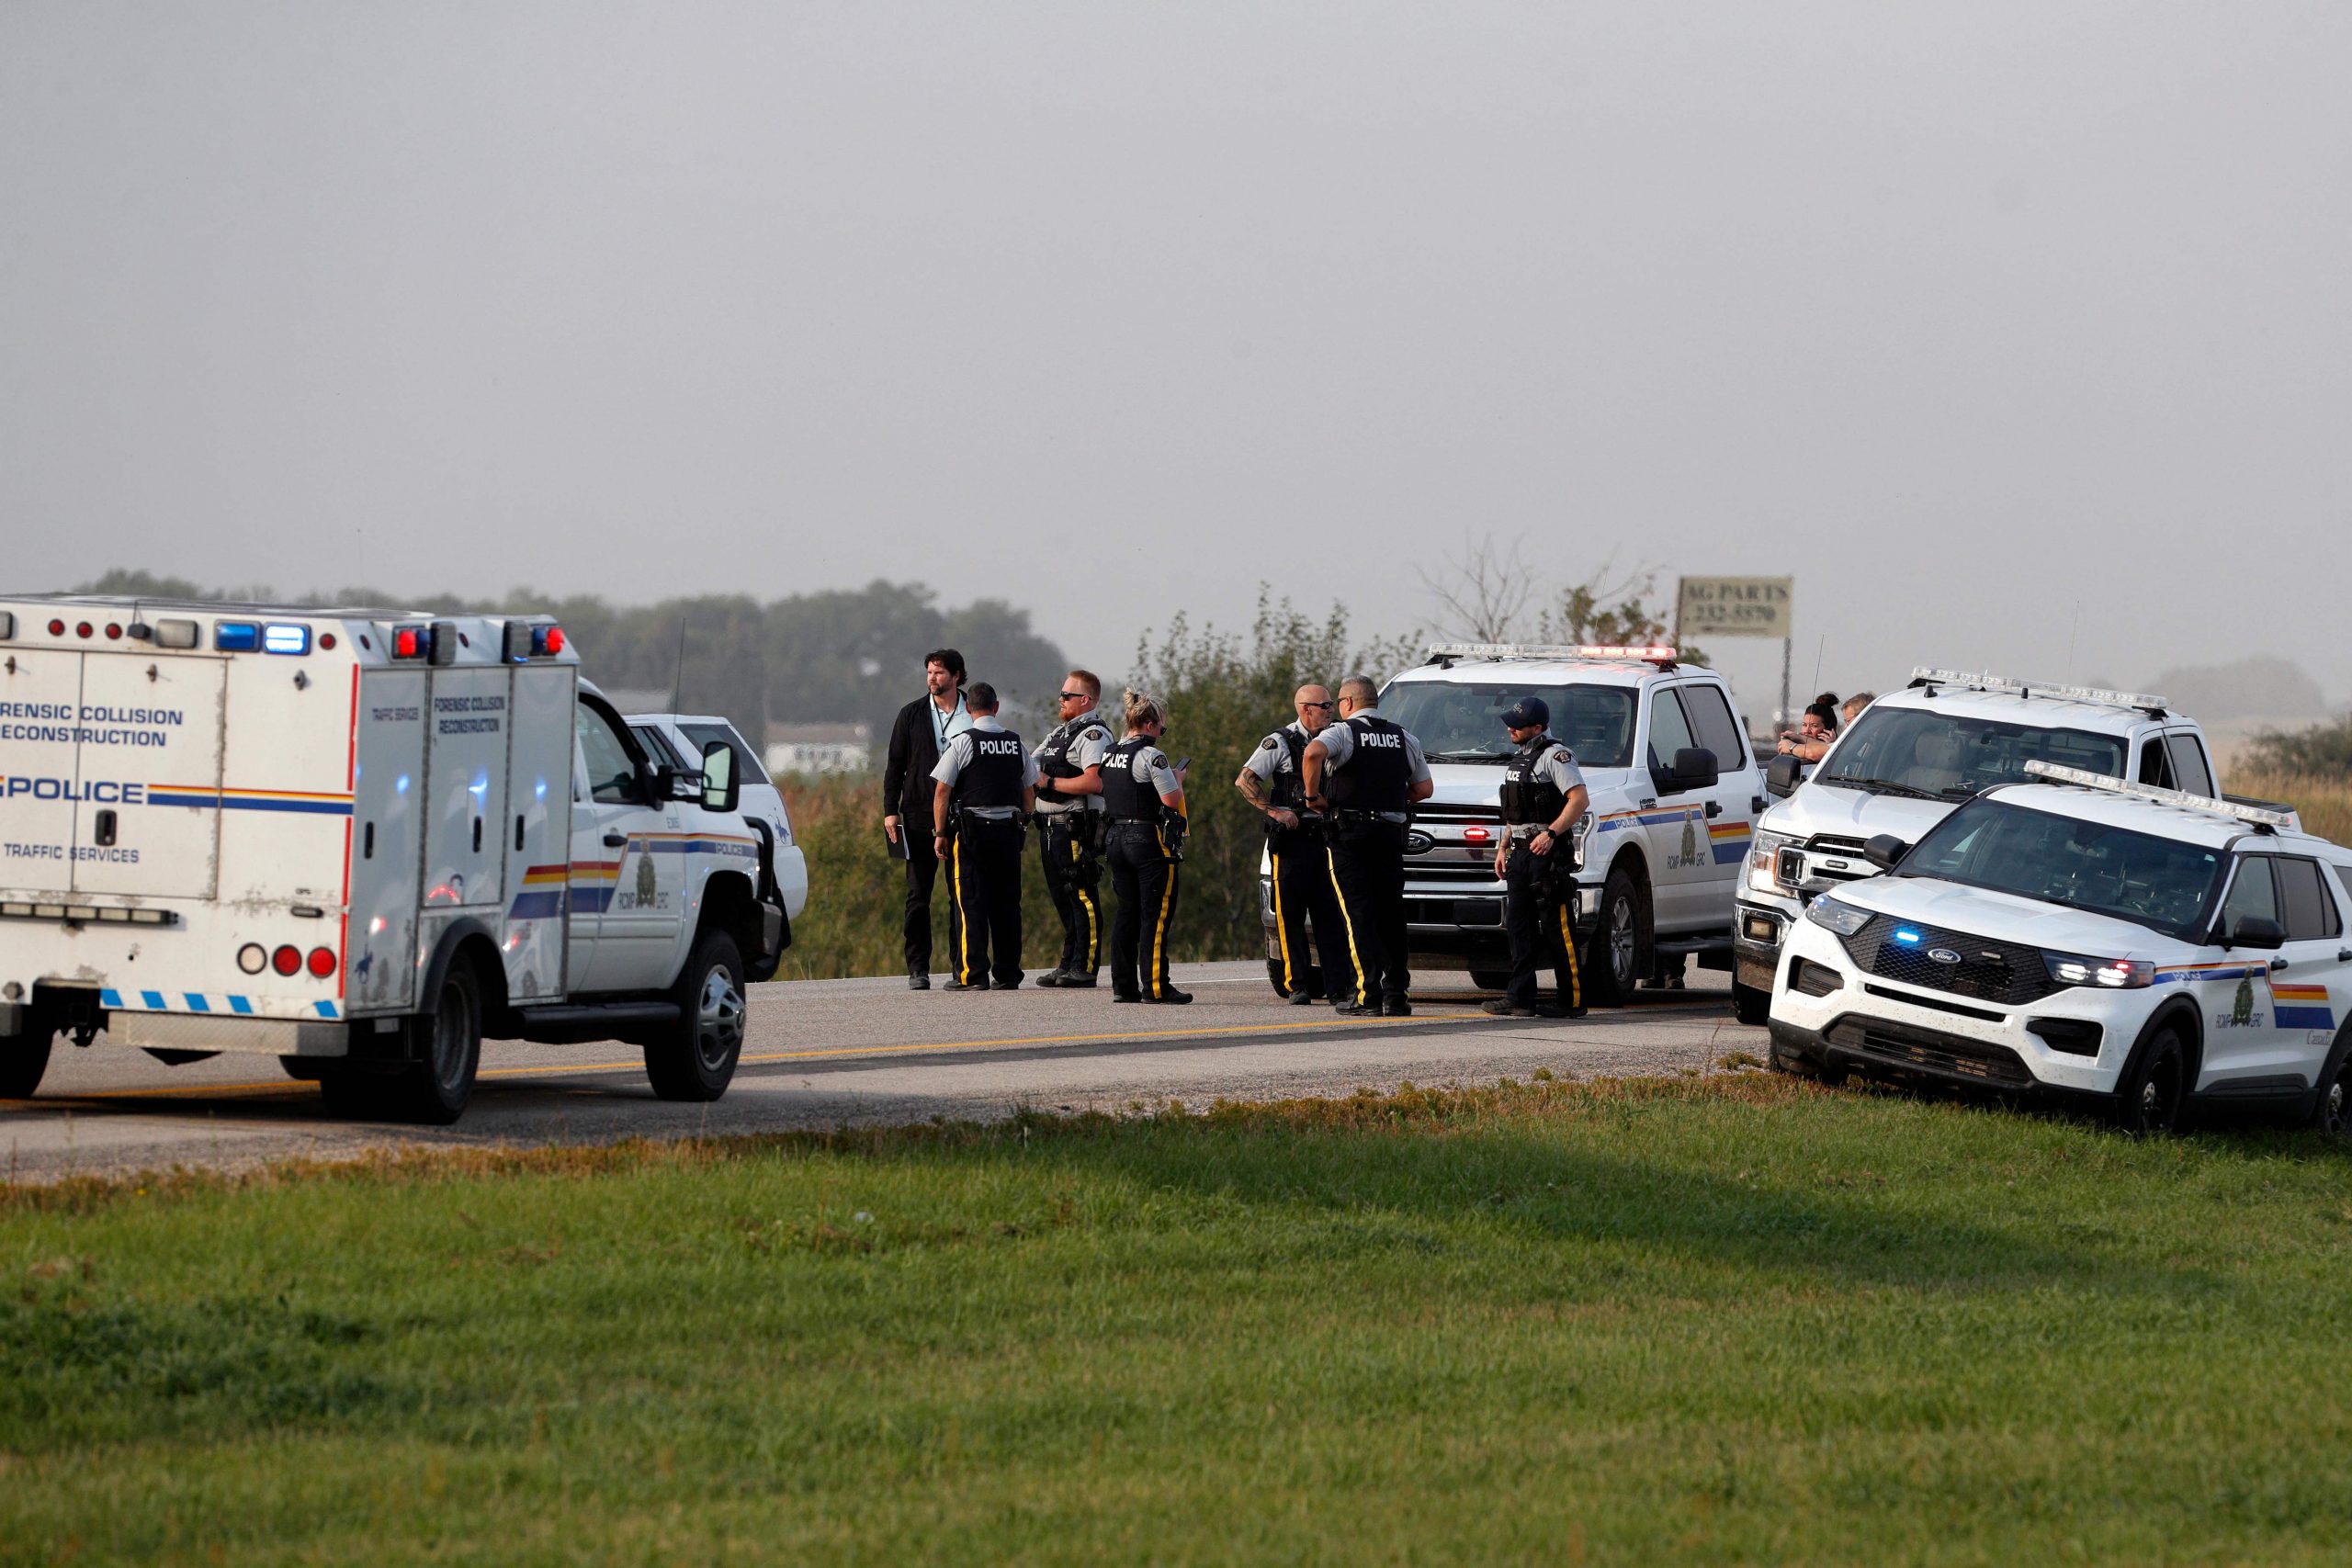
x: 1318, y: 704
x: 1077, y: 696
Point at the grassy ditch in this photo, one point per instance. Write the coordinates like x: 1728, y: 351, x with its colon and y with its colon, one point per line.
x: 1715, y: 1321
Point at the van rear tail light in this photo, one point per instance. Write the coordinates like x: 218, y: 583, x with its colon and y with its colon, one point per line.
x: 176, y: 634
x: 253, y: 958
x: 57, y: 628
x: 286, y: 960
x: 82, y: 629
x: 322, y: 962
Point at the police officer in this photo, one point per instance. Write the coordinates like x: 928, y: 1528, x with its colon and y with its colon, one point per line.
x: 1272, y: 782
x: 1143, y: 799
x: 1364, y: 773
x: 1070, y: 826
x: 1543, y: 796
x: 986, y: 790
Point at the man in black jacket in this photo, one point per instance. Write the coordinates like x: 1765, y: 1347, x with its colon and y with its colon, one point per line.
x: 921, y: 732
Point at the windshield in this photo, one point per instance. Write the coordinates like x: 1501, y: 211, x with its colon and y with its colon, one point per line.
x: 1945, y: 757
x: 1463, y: 721
x: 2160, y: 883
x: 747, y: 767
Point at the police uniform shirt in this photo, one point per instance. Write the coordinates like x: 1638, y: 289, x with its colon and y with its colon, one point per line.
x: 958, y: 757
x: 1558, y: 768
x: 1094, y: 744
x: 1271, y: 760
x: 1148, y: 767
x: 1340, y: 744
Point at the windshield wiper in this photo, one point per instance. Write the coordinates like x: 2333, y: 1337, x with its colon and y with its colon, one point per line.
x: 1885, y: 786
x: 1467, y: 756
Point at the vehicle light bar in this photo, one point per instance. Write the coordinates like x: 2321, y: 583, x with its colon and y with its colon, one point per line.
x: 236, y: 637
x: 1652, y: 653
x: 2261, y: 815
x: 533, y: 639
x: 1922, y: 676
x: 286, y: 636
x: 87, y: 914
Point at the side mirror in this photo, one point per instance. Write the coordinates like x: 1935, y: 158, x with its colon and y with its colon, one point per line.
x: 1885, y: 851
x: 1694, y: 768
x: 2257, y: 931
x: 720, y: 788
x: 1782, y: 774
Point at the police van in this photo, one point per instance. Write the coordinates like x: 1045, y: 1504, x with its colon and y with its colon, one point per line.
x: 1675, y: 793
x: 1914, y: 755
x: 359, y: 841
x: 2082, y: 934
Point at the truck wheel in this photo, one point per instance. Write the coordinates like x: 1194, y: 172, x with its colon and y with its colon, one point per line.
x: 1750, y: 1005
x: 1618, y: 953
x: 24, y: 1057
x: 2150, y: 1098
x: 694, y: 1057
x: 2332, y: 1109
x: 445, y: 1045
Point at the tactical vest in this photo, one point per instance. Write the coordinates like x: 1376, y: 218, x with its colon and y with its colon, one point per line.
x: 1125, y: 796
x: 1379, y: 773
x: 992, y: 778
x: 1287, y: 788
x: 1054, y: 758
x: 1526, y: 797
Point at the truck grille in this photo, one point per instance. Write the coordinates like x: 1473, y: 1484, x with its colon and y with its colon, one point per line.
x: 2004, y: 972
x: 1795, y: 867
x: 1946, y: 1056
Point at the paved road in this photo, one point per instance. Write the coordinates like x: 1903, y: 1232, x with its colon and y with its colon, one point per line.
x: 827, y: 1052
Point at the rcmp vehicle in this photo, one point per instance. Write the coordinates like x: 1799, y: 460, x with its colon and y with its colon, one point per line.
x: 1914, y: 755
x: 1675, y: 791
x: 675, y: 740
x: 2082, y: 934
x: 359, y: 841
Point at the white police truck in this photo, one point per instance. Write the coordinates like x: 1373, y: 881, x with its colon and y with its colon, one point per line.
x: 359, y: 841
x: 1914, y: 755
x: 2080, y: 934
x: 1675, y: 792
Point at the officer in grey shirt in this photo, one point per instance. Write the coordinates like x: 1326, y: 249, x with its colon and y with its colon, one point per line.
x: 1544, y: 795
x: 1364, y: 773
x: 985, y: 788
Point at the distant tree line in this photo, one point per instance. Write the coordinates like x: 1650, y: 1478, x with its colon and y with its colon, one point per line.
x: 842, y: 656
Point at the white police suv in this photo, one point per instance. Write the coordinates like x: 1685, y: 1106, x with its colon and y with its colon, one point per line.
x: 1674, y: 788
x: 1913, y: 756
x: 2083, y: 934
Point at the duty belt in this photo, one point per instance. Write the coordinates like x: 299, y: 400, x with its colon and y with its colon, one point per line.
x: 1356, y: 818
x: 989, y: 813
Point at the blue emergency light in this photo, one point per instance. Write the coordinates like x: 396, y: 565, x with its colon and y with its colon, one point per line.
x: 235, y: 637
x: 283, y: 636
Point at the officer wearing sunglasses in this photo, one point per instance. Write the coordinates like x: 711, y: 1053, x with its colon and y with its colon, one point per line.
x: 1299, y: 867
x: 1069, y: 822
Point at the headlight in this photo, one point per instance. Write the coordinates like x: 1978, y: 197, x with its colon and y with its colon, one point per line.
x: 1763, y: 854
x: 1843, y: 918
x: 2113, y: 973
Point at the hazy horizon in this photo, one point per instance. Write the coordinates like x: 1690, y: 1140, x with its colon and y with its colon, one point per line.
x: 2019, y: 334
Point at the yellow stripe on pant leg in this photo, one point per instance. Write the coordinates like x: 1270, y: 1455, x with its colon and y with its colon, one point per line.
x: 963, y: 916
x: 1093, y: 941
x: 1159, y: 931
x: 1348, y: 923
x: 1567, y: 934
x: 1282, y: 926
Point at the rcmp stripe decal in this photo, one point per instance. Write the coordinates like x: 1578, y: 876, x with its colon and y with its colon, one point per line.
x: 2301, y: 1007
x: 204, y: 796
x: 200, y: 1002
x: 542, y: 897
x: 1729, y: 840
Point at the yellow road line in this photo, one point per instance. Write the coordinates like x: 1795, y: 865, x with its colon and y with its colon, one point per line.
x: 553, y: 1068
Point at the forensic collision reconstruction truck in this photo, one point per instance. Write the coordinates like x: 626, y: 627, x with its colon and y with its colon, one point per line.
x: 358, y: 841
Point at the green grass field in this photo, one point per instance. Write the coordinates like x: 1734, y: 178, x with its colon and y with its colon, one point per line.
x: 1736, y: 1320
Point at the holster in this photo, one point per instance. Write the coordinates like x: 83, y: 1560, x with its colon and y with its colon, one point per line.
x: 1171, y: 828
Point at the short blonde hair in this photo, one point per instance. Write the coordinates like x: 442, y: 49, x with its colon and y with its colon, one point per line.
x: 1143, y: 708
x: 1857, y: 703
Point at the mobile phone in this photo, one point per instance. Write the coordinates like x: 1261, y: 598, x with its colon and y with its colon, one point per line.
x: 1180, y: 764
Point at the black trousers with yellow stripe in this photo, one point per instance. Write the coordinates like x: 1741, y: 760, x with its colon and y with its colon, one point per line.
x: 1301, y: 867
x: 984, y: 878
x: 1143, y: 877
x: 1074, y: 877
x: 1540, y: 918
x: 1368, y: 876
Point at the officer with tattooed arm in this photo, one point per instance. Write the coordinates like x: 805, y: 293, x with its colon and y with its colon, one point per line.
x: 1364, y: 773
x: 1272, y: 782
x: 1543, y: 796
x: 1071, y: 826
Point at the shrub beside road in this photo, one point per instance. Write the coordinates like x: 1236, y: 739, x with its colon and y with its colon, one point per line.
x: 1730, y: 1320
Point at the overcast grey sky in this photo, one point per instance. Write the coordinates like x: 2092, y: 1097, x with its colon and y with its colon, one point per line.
x: 1964, y: 315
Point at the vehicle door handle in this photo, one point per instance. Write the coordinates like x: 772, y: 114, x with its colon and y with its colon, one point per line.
x: 1714, y: 808
x: 616, y: 840
x: 2344, y: 955
x: 2277, y: 964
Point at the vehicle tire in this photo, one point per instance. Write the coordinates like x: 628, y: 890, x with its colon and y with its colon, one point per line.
x: 2332, y: 1106
x: 1619, y: 953
x: 445, y: 1052
x: 1310, y: 977
x: 1750, y: 1004
x: 2155, y: 1088
x: 24, y: 1059
x: 694, y: 1057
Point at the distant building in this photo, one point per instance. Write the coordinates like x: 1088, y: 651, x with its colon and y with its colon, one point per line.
x: 819, y: 748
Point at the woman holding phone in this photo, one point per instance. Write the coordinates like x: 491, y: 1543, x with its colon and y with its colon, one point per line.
x: 1144, y: 797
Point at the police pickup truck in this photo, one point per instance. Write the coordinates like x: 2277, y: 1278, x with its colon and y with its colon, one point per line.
x: 357, y: 841
x: 2078, y: 935
x: 1914, y: 755
x: 1674, y: 788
